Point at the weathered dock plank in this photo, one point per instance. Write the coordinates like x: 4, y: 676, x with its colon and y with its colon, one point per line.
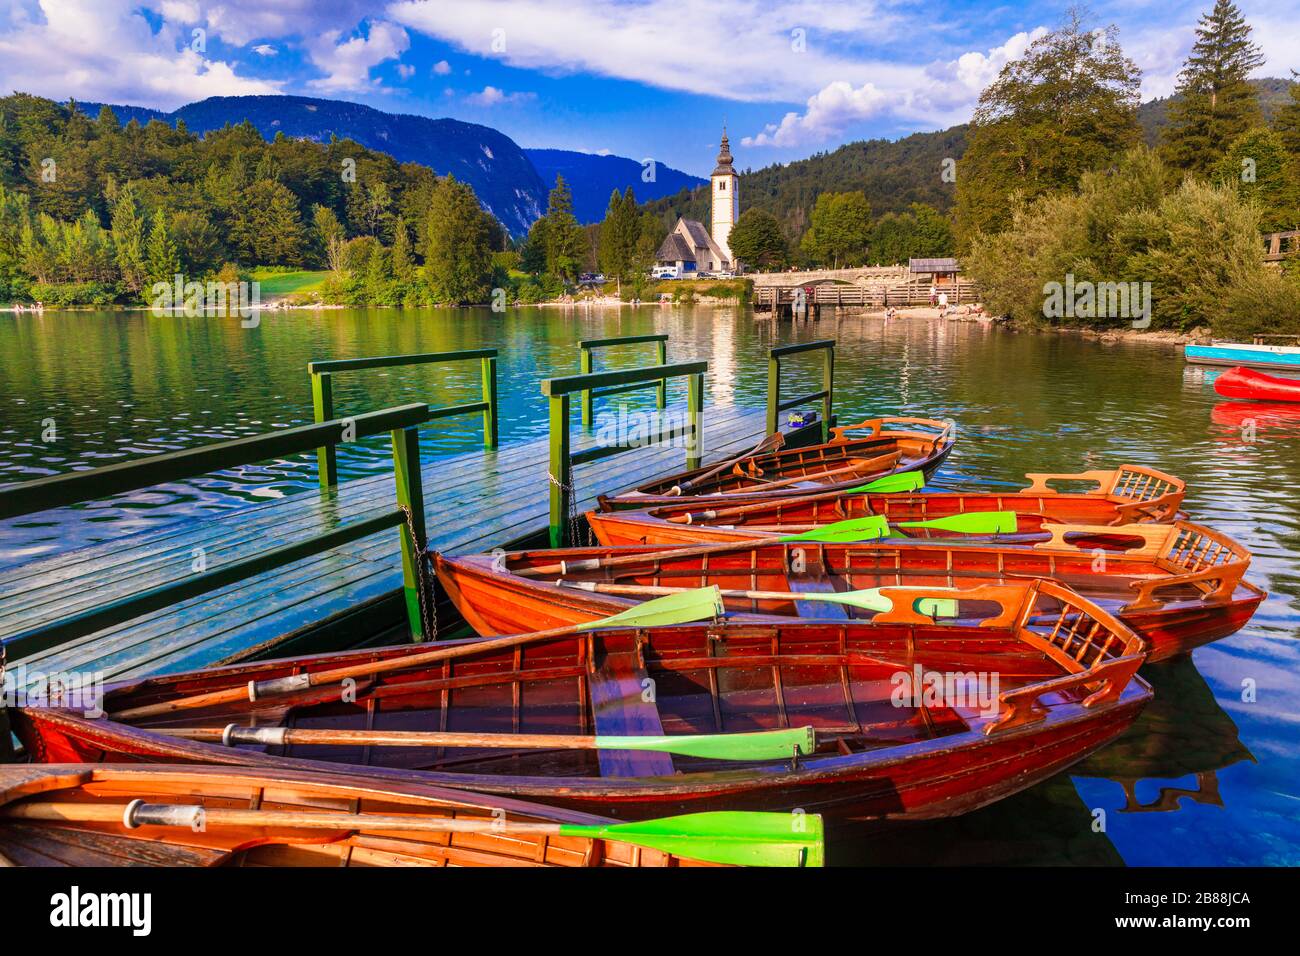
x: 473, y: 501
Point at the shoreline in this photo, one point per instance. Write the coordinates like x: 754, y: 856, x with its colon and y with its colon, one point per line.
x: 927, y: 313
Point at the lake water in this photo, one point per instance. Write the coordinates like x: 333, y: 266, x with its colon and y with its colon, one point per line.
x: 1206, y: 777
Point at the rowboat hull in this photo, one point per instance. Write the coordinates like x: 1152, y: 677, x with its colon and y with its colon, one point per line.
x: 1238, y: 354
x: 1245, y: 383
x: 1125, y: 495
x: 66, y: 843
x: 845, y: 463
x: 914, y: 762
x: 496, y: 598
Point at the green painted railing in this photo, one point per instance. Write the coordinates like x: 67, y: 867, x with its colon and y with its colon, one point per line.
x: 563, y: 460
x: 322, y: 396
x: 587, y: 367
x: 776, y: 405
x: 76, y: 487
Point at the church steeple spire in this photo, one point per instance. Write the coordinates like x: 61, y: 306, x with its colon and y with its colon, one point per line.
x: 724, y: 167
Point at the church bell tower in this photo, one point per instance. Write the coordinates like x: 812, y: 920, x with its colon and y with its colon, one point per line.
x: 726, y: 198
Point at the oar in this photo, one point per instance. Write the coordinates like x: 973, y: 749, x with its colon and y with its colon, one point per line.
x: 757, y: 745
x: 867, y: 465
x: 869, y: 599
x: 696, y: 604
x: 733, y: 837
x: 771, y: 442
x: 849, y: 531
x: 892, y: 484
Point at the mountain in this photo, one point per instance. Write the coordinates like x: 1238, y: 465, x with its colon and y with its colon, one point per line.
x: 592, y: 178
x: 502, y: 176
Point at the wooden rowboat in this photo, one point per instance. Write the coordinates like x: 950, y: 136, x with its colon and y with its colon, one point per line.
x: 1178, y: 586
x: 75, y: 815
x: 843, y: 462
x: 1123, y: 495
x: 1051, y: 690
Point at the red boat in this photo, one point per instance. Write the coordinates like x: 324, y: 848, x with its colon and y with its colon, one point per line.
x: 848, y: 460
x: 1178, y: 586
x: 1121, y: 496
x: 1041, y: 681
x: 1241, y: 382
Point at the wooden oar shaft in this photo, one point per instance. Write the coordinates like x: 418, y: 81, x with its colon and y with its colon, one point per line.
x: 735, y: 511
x: 651, y: 590
x: 596, y: 564
x: 190, y: 816
x: 285, y: 736
x: 334, y: 675
x: 765, y: 445
x: 815, y: 476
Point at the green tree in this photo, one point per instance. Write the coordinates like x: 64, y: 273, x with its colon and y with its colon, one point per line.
x: 757, y: 241
x: 1286, y: 122
x: 921, y: 232
x: 532, y: 254
x: 162, y: 260
x: 329, y: 238
x: 619, y: 234
x: 457, y: 254
x: 566, y: 243
x: 1215, y: 102
x: 1258, y: 166
x: 1067, y: 106
x: 840, y: 230
x: 128, y: 239
x: 266, y: 226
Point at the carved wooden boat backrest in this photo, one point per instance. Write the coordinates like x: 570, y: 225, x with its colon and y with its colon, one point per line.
x: 940, y: 433
x: 1143, y: 492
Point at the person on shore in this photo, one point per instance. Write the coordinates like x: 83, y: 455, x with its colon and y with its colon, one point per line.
x: 943, y: 301
x: 890, y: 312
x: 933, y: 293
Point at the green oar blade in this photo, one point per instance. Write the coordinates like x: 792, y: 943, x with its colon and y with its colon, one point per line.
x: 852, y: 529
x: 871, y: 599
x: 759, y: 745
x: 892, y: 484
x: 733, y: 837
x: 698, y: 604
x: 972, y: 522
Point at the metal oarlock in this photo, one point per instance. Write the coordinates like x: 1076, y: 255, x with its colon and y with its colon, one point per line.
x: 140, y: 814
x: 278, y: 685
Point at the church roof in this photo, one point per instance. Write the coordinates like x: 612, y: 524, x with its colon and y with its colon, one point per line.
x: 675, y: 249
x: 724, y: 167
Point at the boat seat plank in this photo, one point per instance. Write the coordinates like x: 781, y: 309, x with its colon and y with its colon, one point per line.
x: 617, y: 683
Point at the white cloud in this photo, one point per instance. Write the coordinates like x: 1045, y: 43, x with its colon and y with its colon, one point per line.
x: 938, y: 94
x: 265, y: 49
x: 106, y: 50
x: 405, y: 71
x: 441, y: 68
x: 492, y: 96
x: 347, y: 64
x: 743, y: 50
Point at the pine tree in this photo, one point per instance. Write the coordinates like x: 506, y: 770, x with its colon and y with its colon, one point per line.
x: 128, y: 239
x: 618, y: 235
x: 1258, y: 167
x: 1215, y: 102
x: 566, y: 241
x: 162, y: 260
x: 457, y: 254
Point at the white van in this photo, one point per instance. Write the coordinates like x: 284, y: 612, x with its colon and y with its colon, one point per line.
x: 665, y: 272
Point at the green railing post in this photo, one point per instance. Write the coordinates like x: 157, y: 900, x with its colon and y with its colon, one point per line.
x: 410, y: 496
x: 695, y: 407
x: 322, y: 400
x: 561, y: 470
x: 661, y: 396
x: 773, y: 393
x: 828, y: 386
x: 585, y: 367
x: 490, y: 426
x: 776, y: 404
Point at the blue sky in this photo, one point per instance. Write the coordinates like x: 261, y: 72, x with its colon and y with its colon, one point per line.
x: 640, y: 78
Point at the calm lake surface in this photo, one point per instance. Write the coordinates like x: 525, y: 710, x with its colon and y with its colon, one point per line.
x: 1208, y: 776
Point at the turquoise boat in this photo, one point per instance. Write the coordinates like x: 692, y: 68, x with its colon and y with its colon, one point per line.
x: 1236, y: 353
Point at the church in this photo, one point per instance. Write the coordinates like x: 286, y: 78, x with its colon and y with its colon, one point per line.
x: 692, y: 248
